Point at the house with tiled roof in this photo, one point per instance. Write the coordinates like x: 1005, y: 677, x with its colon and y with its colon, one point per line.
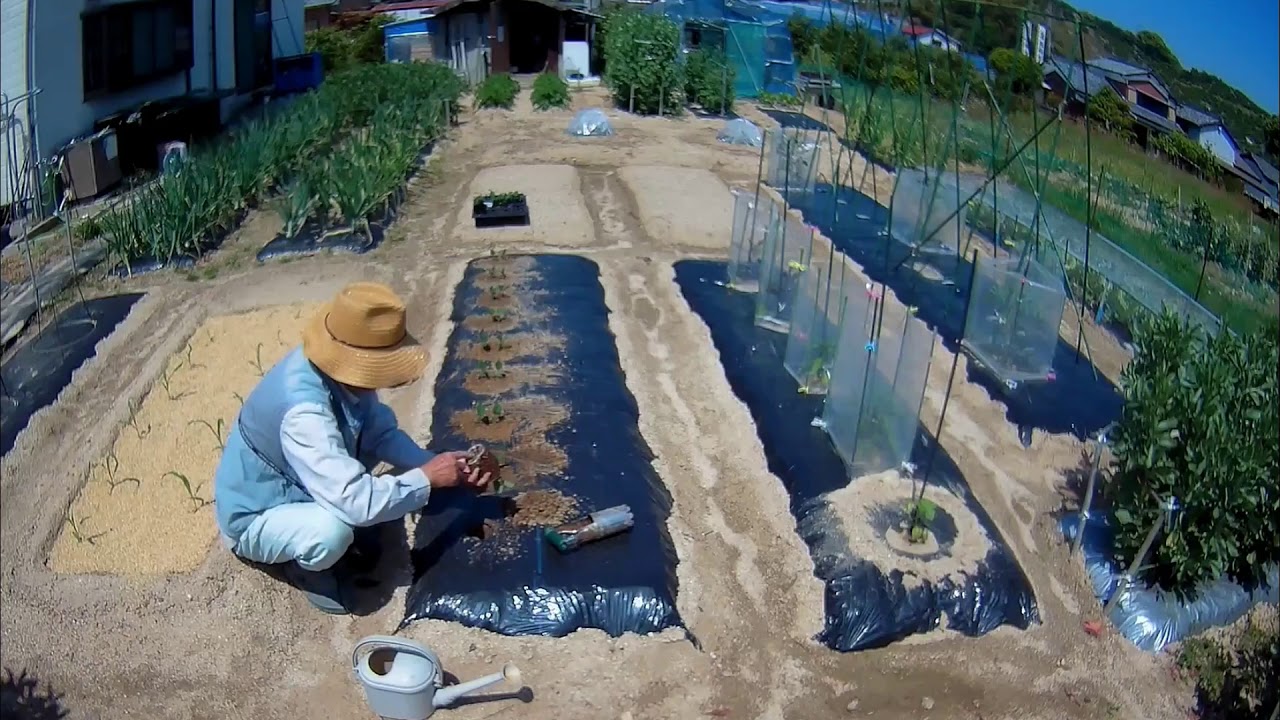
x: 1261, y: 181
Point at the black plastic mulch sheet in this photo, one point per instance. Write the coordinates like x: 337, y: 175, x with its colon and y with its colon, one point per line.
x: 513, y: 582
x: 1079, y: 401
x: 39, y: 370
x: 864, y: 607
x: 150, y: 264
x: 314, y: 237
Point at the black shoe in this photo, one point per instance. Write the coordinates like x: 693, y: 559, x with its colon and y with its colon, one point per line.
x: 322, y: 588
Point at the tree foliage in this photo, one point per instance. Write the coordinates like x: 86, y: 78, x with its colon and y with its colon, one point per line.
x: 1201, y: 423
x: 1015, y: 73
x: 857, y: 53
x: 1271, y: 137
x: 1107, y: 108
x: 709, y: 79
x: 641, y: 62
x: 1154, y: 47
x: 549, y: 91
x: 344, y: 47
x: 1188, y: 153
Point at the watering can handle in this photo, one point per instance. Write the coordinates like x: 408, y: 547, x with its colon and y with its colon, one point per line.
x: 389, y: 641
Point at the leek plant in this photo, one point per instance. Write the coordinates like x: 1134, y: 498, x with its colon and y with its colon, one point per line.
x: 180, y: 214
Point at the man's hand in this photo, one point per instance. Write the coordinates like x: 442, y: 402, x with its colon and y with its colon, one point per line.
x: 449, y: 469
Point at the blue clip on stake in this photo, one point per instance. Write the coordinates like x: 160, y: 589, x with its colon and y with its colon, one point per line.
x: 871, y: 347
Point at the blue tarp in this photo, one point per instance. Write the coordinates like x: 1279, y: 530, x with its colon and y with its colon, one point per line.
x: 1150, y: 617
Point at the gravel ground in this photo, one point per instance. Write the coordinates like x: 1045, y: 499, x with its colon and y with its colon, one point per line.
x: 225, y: 641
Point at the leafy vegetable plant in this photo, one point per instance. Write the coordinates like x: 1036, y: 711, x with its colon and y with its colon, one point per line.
x: 641, y: 65
x: 921, y: 513
x: 497, y: 91
x: 550, y: 91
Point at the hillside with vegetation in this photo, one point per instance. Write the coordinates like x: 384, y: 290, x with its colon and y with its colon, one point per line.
x: 998, y: 23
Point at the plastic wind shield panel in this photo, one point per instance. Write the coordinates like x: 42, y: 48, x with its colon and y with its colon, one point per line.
x: 1070, y: 238
x: 843, y: 408
x: 924, y: 213
x: 1014, y: 315
x: 752, y: 222
x: 815, y: 324
x: 890, y: 418
x: 787, y: 252
x: 793, y: 162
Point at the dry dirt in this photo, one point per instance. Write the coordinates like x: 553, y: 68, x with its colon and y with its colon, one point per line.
x: 134, y: 515
x: 854, y: 504
x: 226, y: 641
x: 681, y: 206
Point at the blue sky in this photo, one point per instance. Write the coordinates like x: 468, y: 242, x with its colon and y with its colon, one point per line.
x: 1233, y: 39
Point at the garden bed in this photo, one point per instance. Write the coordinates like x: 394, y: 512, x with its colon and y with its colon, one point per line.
x: 561, y: 220
x: 681, y: 206
x: 1078, y: 400
x: 146, y: 506
x: 37, y: 372
x: 532, y: 371
x: 880, y: 588
x: 318, y: 236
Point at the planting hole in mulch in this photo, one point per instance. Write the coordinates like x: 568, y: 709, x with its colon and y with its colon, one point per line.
x: 569, y: 440
x: 38, y: 371
x: 879, y: 587
x: 134, y: 516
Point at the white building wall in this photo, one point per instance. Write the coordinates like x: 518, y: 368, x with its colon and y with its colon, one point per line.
x: 1215, y: 139
x: 13, y: 85
x: 62, y: 113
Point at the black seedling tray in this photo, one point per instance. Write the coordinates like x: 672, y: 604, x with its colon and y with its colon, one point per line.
x: 508, y: 215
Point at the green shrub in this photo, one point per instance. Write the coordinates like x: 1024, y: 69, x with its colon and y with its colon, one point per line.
x: 641, y: 63
x: 1188, y: 153
x: 342, y: 48
x: 550, y: 91
x: 1107, y: 108
x: 497, y: 91
x: 1239, y: 679
x: 708, y: 78
x: 1201, y: 424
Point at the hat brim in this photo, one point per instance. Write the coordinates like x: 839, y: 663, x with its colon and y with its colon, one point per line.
x: 369, y: 368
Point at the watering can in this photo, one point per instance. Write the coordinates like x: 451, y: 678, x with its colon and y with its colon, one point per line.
x: 403, y: 680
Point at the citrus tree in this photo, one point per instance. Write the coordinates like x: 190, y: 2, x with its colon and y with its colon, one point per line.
x: 1200, y: 424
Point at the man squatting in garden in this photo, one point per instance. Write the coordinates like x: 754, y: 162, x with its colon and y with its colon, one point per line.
x: 295, y: 477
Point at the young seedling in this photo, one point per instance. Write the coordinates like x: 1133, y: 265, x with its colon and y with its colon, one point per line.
x: 197, y: 502
x: 922, y: 514
x: 191, y: 363
x: 497, y: 315
x: 218, y: 435
x: 256, y: 362
x: 497, y: 292
x: 486, y: 370
x: 111, y: 465
x: 132, y: 422
x: 495, y: 411
x: 166, y: 380
x: 76, y: 533
x: 239, y: 397
x: 499, y: 370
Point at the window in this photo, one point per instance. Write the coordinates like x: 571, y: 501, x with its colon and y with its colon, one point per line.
x: 132, y: 44
x: 253, y: 44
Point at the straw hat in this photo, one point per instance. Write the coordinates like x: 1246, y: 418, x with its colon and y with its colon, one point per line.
x: 359, y: 339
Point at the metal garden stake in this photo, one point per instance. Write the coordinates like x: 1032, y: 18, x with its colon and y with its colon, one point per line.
x: 1088, y: 492
x: 1140, y: 559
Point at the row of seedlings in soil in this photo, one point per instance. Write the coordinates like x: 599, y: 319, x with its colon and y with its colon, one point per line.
x: 186, y: 213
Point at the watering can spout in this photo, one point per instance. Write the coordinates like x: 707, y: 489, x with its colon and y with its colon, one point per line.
x: 447, y: 696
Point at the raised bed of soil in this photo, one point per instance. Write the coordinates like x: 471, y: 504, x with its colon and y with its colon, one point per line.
x: 681, y: 206
x: 880, y: 588
x: 38, y: 371
x: 134, y: 516
x: 316, y: 236
x: 569, y: 437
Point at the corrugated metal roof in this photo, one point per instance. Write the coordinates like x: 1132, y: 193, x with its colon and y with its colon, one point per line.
x: 1196, y: 116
